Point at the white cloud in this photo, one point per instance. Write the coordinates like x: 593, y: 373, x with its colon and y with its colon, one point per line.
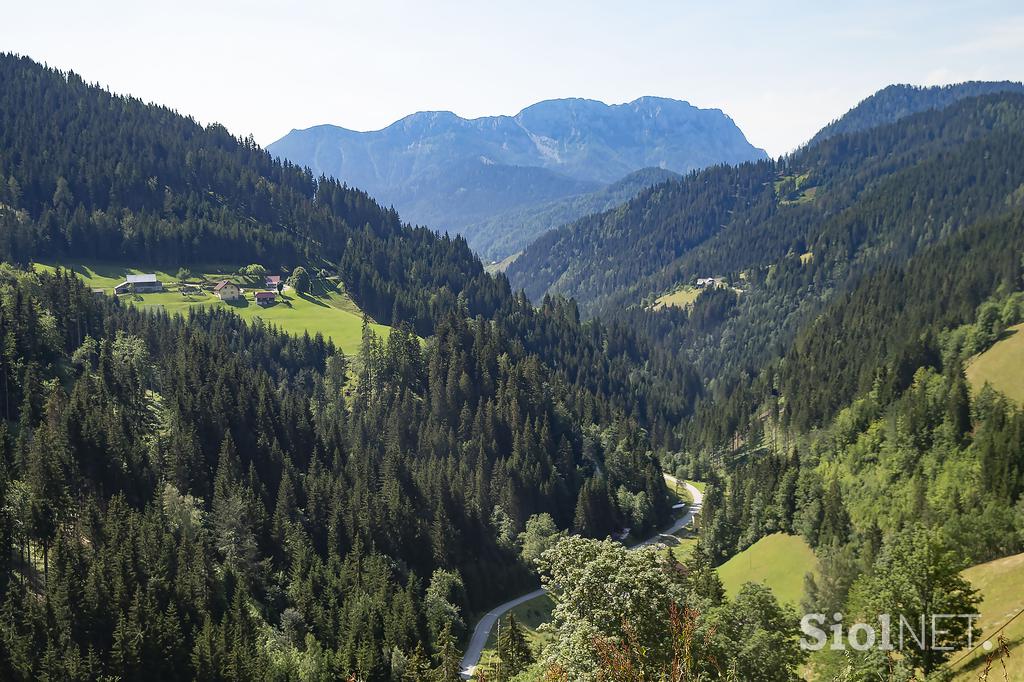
x: 1005, y: 36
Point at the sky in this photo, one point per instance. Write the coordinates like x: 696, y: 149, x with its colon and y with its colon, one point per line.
x: 781, y: 70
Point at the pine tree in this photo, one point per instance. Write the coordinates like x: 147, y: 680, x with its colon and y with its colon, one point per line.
x: 702, y: 578
x: 513, y: 649
x: 47, y: 476
x: 417, y: 666
x: 447, y: 658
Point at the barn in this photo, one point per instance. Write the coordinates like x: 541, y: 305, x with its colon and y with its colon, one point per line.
x: 139, y: 284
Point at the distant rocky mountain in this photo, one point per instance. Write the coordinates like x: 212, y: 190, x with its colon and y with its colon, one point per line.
x: 893, y: 102
x: 512, y: 231
x: 449, y: 172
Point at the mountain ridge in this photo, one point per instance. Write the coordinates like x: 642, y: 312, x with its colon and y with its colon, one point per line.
x: 565, y: 260
x: 439, y: 169
x: 898, y: 100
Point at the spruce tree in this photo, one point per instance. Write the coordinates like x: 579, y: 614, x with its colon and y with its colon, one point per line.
x: 417, y: 667
x: 513, y: 649
x: 447, y: 656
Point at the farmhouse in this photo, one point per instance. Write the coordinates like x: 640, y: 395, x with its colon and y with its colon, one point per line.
x: 273, y: 281
x: 710, y: 282
x: 265, y: 298
x: 139, y: 284
x: 227, y: 291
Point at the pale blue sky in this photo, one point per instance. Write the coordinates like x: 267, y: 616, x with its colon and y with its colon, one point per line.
x: 781, y: 69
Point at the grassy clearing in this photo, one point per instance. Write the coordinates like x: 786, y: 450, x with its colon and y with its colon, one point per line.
x: 779, y: 561
x: 1002, y: 365
x: 325, y: 310
x: 502, y: 265
x: 804, y: 197
x: 531, y: 615
x: 682, y: 297
x: 793, y: 190
x: 677, y: 490
x: 1002, y: 586
x: 684, y: 549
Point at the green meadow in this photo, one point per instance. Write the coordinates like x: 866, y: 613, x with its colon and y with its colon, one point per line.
x: 531, y: 615
x: 779, y: 561
x: 1001, y: 583
x: 1002, y: 365
x: 325, y: 309
x: 683, y: 297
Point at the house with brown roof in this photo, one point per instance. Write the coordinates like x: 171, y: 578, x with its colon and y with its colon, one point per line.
x: 227, y: 291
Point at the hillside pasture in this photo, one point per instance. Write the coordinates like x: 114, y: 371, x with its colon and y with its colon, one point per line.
x: 326, y: 309
x: 683, y: 297
x: 1001, y: 366
x: 1001, y: 583
x: 779, y: 561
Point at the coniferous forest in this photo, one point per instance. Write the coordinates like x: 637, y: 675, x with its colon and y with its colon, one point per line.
x: 201, y: 497
x: 238, y: 502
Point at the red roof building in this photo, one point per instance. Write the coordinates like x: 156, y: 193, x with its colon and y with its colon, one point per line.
x: 265, y: 297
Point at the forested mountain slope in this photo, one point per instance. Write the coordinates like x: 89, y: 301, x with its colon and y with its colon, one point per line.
x: 508, y: 233
x: 894, y: 102
x: 835, y: 200
x: 199, y: 498
x: 837, y: 406
x: 905, y: 453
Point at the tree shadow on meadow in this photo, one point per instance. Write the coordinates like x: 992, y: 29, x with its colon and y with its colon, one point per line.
x: 313, y: 299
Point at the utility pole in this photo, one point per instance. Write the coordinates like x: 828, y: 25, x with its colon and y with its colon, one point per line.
x: 497, y: 647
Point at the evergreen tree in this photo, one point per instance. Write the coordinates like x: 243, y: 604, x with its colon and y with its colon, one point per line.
x: 513, y: 650
x: 447, y: 657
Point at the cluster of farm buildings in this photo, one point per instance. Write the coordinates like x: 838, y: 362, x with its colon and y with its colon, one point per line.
x: 710, y: 282
x: 225, y: 290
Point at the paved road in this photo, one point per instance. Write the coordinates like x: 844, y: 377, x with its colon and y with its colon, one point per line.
x: 483, y: 628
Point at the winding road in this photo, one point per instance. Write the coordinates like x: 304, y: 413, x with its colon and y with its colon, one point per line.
x: 483, y: 628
